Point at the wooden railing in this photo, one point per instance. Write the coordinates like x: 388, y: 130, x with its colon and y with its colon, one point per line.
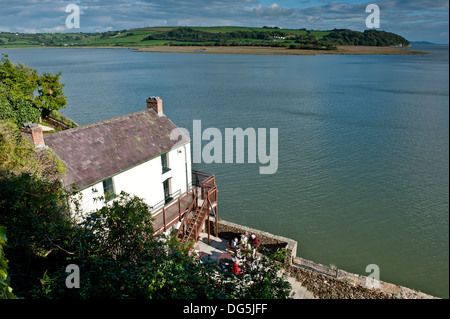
x: 199, y: 177
x: 173, y: 212
x: 203, y: 188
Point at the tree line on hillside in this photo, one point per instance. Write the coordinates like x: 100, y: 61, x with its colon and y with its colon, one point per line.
x: 188, y: 34
x: 54, y: 39
x: 309, y: 42
x: 194, y: 36
x: 367, y: 38
x: 191, y: 36
x: 44, y: 39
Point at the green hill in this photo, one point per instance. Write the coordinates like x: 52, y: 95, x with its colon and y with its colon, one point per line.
x: 207, y: 36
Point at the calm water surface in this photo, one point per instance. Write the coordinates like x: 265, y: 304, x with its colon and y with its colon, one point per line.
x: 363, y: 144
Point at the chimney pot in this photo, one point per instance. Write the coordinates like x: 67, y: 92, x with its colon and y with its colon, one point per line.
x: 155, y: 103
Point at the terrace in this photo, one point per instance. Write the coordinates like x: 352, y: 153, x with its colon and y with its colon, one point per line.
x: 214, y: 249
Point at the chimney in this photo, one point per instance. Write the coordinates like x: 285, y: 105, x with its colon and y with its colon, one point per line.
x: 37, y: 136
x: 155, y: 103
x: 36, y: 133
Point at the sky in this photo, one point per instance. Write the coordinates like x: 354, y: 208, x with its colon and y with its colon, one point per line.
x: 416, y: 20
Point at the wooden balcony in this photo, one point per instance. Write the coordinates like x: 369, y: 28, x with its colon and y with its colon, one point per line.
x: 168, y: 215
x: 199, y: 201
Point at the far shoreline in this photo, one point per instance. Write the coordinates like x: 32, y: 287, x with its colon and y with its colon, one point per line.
x: 341, y: 50
x: 250, y: 50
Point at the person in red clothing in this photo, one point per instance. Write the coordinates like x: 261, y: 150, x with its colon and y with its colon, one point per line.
x: 254, y: 241
x: 235, y: 269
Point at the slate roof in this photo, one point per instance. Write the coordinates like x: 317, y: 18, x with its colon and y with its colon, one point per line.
x: 97, y: 151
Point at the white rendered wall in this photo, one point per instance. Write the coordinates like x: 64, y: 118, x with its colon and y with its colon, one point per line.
x: 143, y: 181
x: 87, y: 202
x: 180, y: 173
x: 146, y: 180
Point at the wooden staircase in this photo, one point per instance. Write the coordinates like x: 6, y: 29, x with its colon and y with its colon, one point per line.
x: 195, y: 225
x: 195, y: 218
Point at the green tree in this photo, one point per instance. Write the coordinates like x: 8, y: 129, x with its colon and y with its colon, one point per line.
x: 17, y: 109
x: 120, y: 258
x: 25, y: 95
x: 33, y: 207
x: 50, y: 93
x: 18, y: 156
x: 121, y: 231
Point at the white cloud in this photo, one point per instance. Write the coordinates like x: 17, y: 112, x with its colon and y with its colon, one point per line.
x: 274, y: 10
x: 410, y: 18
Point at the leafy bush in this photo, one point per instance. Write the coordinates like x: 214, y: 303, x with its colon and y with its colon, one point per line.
x: 18, y: 156
x: 33, y: 206
x: 121, y: 259
x: 17, y: 109
x: 25, y: 95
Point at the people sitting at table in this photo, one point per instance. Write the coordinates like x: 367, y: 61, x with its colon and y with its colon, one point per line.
x: 246, y: 247
x: 244, y: 240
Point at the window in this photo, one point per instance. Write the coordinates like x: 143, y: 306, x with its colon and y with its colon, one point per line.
x: 167, y: 194
x: 108, y: 189
x: 165, y: 163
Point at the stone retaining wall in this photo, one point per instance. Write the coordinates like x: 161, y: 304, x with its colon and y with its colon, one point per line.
x: 345, y: 285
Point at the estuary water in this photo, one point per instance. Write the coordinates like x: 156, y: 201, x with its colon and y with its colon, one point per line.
x: 363, y: 144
